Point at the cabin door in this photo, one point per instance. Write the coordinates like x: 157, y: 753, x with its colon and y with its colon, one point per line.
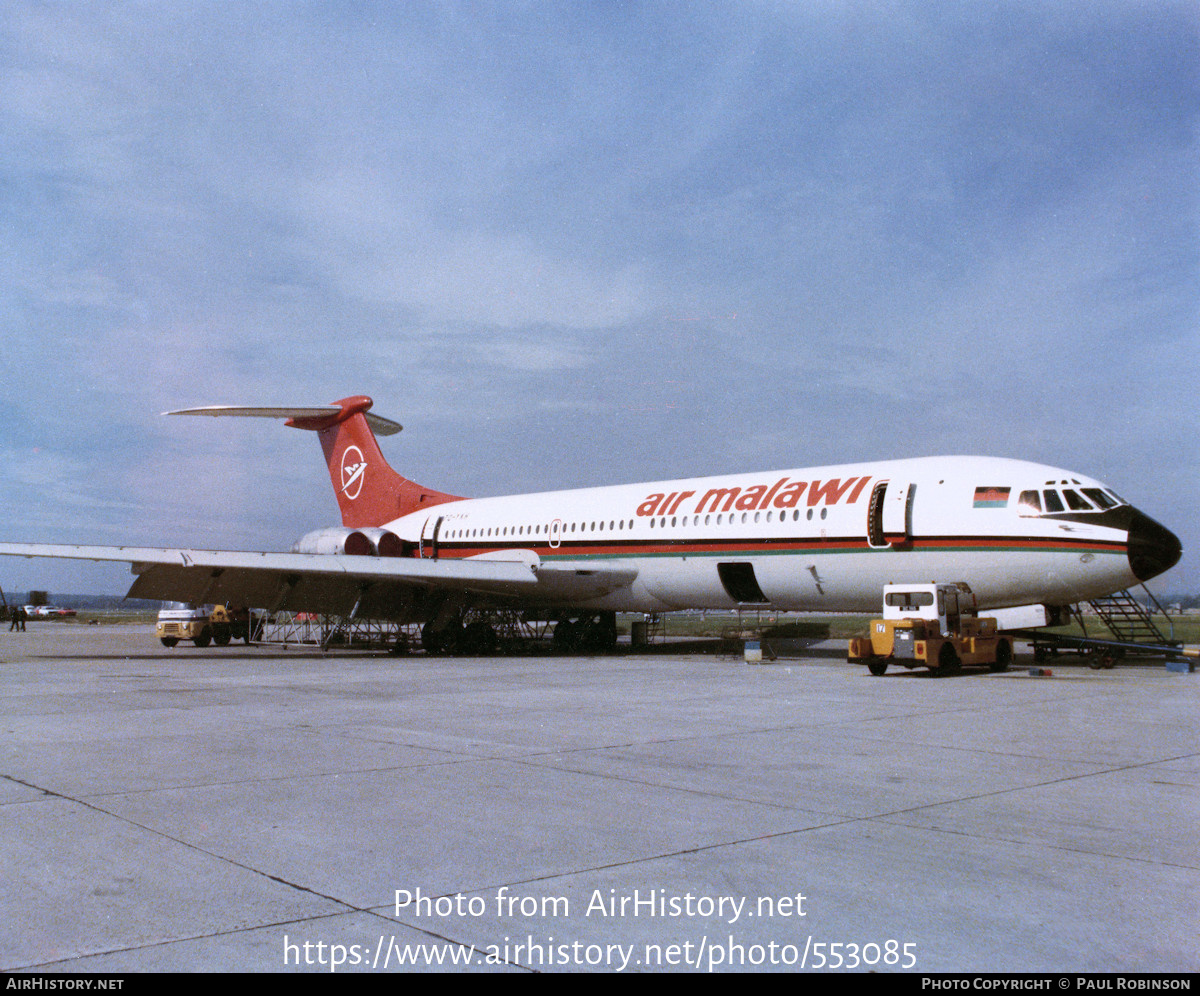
x: 889, y: 514
x: 427, y: 544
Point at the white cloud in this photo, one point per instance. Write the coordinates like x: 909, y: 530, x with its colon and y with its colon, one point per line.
x: 377, y: 246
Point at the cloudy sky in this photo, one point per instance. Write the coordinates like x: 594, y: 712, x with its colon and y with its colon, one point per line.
x: 580, y: 243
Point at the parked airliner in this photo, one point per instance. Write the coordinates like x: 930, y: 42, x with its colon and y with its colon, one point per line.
x: 1027, y: 538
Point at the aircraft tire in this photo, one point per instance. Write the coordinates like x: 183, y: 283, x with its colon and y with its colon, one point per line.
x: 429, y: 641
x: 608, y: 631
x: 597, y: 634
x: 478, y: 640
x: 566, y: 636
x: 452, y: 637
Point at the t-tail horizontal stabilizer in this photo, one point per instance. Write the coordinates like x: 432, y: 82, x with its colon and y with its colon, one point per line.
x: 369, y: 492
x: 299, y: 418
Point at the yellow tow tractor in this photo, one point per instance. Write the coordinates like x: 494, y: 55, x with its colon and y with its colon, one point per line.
x: 933, y: 626
x: 202, y: 624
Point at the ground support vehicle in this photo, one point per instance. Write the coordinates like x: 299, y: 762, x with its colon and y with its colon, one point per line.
x: 1101, y: 654
x: 202, y: 624
x: 47, y: 612
x: 933, y: 626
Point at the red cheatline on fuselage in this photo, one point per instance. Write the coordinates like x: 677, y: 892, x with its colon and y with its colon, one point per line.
x: 790, y: 544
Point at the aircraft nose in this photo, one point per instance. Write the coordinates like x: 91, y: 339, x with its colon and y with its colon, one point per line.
x: 1153, y: 548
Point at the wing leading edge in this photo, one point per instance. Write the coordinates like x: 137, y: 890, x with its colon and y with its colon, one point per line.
x: 396, y: 588
x: 370, y: 587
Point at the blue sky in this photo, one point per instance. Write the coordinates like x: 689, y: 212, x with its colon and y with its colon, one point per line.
x: 571, y: 244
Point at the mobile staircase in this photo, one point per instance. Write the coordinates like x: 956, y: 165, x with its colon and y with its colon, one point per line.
x: 1131, y: 622
x: 1132, y: 631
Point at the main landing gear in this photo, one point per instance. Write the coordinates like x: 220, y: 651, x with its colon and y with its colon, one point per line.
x: 475, y: 639
x: 486, y: 634
x: 587, y: 634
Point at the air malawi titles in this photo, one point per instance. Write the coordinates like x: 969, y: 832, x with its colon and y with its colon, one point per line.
x: 784, y: 493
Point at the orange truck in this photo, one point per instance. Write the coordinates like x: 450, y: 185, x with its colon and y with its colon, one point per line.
x: 201, y: 624
x: 934, y: 626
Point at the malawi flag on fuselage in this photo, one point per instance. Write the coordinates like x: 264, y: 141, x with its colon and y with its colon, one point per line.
x: 991, y: 497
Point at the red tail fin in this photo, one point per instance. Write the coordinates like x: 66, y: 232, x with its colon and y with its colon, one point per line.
x: 369, y: 492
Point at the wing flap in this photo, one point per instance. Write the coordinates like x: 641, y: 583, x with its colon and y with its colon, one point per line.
x: 367, y: 598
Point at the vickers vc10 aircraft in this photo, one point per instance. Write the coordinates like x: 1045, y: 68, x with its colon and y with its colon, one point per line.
x: 1027, y: 538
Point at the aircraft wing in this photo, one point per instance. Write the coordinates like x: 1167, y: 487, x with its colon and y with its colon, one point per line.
x: 366, y: 587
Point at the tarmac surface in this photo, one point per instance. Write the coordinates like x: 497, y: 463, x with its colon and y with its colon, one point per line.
x: 253, y: 809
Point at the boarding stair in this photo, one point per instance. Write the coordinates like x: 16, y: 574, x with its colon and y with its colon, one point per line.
x: 1132, y: 622
x: 1132, y: 631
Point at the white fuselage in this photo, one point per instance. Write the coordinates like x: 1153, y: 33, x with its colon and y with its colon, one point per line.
x: 824, y: 538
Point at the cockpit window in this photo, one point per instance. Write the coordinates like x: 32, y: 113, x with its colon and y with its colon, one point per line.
x: 1052, y: 500
x: 1100, y: 498
x: 1076, y: 501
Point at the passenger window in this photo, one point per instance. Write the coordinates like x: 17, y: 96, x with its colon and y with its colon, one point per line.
x: 1053, y: 502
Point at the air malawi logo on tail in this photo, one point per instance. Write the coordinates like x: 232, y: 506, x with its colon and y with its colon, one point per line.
x: 354, y: 469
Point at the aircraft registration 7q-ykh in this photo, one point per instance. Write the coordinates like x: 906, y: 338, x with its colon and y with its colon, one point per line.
x: 1027, y: 538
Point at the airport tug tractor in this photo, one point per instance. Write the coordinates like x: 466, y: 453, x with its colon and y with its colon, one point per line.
x: 934, y: 626
x: 202, y: 624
